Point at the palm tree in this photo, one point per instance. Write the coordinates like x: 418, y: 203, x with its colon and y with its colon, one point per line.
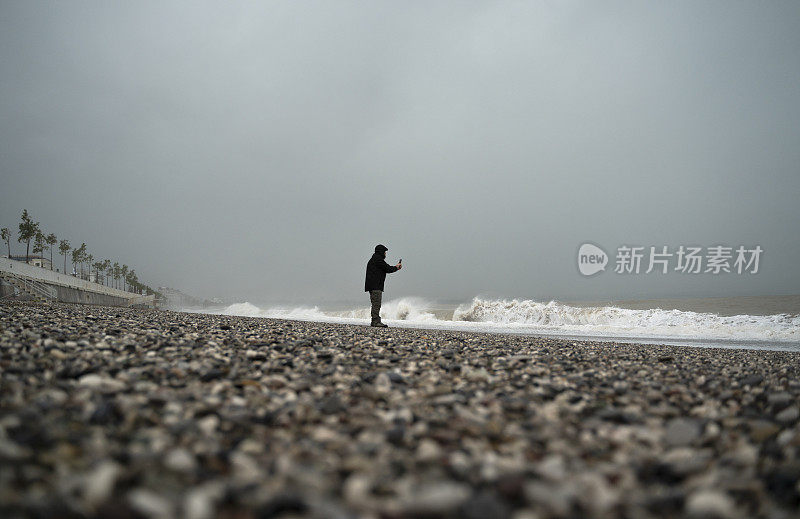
x: 133, y: 281
x: 51, y: 240
x: 88, y: 259
x: 124, y: 272
x: 76, y: 257
x: 106, y: 270
x: 5, y: 235
x: 98, y: 266
x: 38, y: 243
x: 116, y: 274
x: 64, y: 248
x: 28, y: 229
x: 79, y: 257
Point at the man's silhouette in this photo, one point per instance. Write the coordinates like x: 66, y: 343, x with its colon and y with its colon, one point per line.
x: 377, y: 268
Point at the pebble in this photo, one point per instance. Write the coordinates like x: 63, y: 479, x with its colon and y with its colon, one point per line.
x: 682, y: 431
x: 99, y: 484
x: 180, y: 460
x: 436, y: 499
x: 101, y: 383
x: 150, y: 504
x: 710, y: 504
x: 148, y: 413
x: 485, y: 505
x: 780, y: 399
x: 752, y: 380
x: 761, y: 430
x: 788, y: 416
x: 428, y: 451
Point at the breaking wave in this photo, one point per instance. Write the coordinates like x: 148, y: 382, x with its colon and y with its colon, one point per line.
x: 611, y: 320
x: 403, y: 309
x: 551, y: 318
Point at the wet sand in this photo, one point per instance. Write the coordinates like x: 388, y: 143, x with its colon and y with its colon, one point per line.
x: 144, y: 413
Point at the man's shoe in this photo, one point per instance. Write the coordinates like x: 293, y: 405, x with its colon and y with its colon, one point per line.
x: 379, y: 325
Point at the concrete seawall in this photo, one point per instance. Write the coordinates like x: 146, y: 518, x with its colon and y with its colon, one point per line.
x: 17, y: 277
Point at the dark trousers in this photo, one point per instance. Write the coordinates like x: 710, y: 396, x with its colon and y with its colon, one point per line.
x: 375, y: 299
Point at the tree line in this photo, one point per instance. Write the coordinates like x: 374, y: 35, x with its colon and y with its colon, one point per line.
x: 110, y: 274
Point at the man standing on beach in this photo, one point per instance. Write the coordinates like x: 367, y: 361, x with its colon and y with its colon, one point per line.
x: 377, y: 268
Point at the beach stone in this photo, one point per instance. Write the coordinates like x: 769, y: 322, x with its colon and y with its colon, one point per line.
x: 211, y: 374
x: 710, y: 504
x: 552, y: 468
x: 752, y: 380
x: 761, y: 430
x: 788, y: 416
x: 787, y: 437
x: 13, y: 452
x: 324, y: 434
x: 476, y: 374
x: 439, y: 498
x: 283, y: 505
x: 744, y: 454
x: 106, y: 413
x: 484, y: 505
x: 683, y: 461
x: 615, y: 415
x: 180, y: 460
x: 332, y: 405
x: 356, y: 489
x: 780, y: 400
x: 153, y: 413
x: 395, y: 377
x: 526, y: 513
x: 428, y: 451
x: 682, y: 431
x: 99, y: 483
x: 150, y: 504
x: 459, y: 464
x: 395, y: 435
x: 783, y: 482
x: 245, y: 468
x: 595, y: 494
x: 101, y: 383
x: 556, y: 499
x: 208, y: 424
x: 201, y: 502
x: 383, y: 384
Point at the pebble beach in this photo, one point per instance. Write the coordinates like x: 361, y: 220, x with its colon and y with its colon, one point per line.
x: 116, y: 412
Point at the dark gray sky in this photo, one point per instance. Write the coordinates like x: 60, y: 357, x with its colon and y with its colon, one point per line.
x: 260, y: 150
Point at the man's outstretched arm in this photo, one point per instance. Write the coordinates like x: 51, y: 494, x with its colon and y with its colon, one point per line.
x: 390, y: 268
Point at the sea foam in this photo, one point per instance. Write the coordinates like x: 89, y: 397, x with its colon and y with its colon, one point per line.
x: 550, y: 318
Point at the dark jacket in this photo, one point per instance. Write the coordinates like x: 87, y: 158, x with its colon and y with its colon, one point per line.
x: 377, y: 268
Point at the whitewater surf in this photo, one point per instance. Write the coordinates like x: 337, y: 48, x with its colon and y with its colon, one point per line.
x: 555, y: 319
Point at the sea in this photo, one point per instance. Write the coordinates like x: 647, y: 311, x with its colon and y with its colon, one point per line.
x: 752, y: 322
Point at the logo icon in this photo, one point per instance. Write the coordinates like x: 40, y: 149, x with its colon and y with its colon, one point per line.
x: 591, y: 259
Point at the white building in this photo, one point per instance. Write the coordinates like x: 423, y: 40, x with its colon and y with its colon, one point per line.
x: 37, y: 261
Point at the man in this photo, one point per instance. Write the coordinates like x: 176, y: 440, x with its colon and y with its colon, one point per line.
x: 377, y: 268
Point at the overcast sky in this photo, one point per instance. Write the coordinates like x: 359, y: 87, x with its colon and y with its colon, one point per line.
x: 258, y: 151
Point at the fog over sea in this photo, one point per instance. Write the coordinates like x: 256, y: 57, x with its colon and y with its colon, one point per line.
x: 757, y: 322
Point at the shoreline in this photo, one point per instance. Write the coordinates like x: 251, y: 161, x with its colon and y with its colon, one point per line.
x: 114, y: 411
x: 712, y: 343
x: 648, y: 324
